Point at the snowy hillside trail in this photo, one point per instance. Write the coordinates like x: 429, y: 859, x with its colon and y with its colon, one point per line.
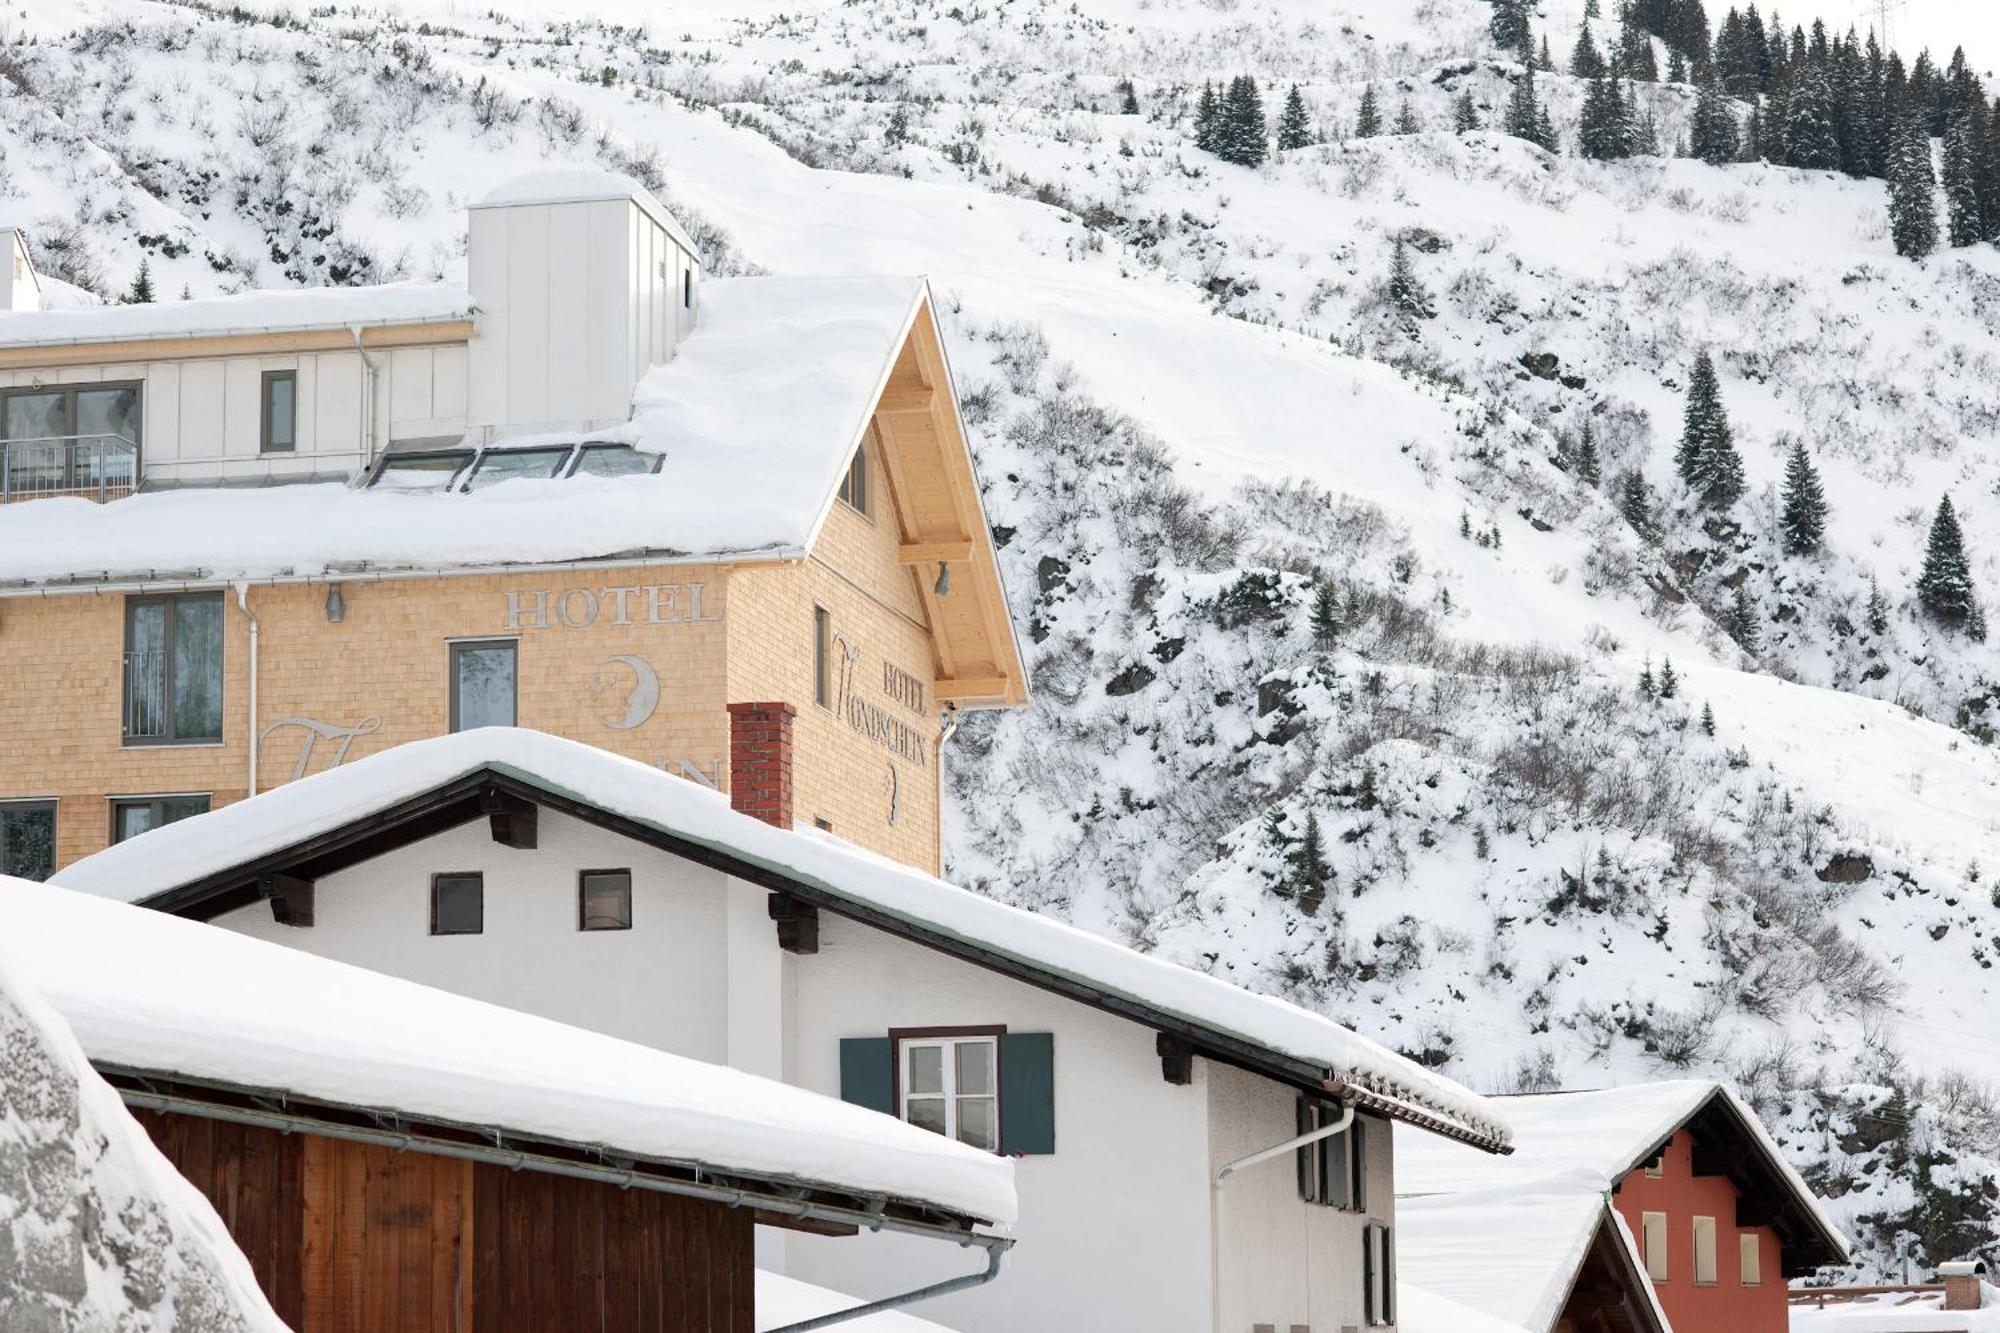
x: 1338, y: 670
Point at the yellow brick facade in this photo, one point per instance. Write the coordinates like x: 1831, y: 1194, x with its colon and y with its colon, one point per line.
x: 710, y: 634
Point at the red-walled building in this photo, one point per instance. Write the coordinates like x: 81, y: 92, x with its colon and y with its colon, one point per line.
x: 1718, y: 1219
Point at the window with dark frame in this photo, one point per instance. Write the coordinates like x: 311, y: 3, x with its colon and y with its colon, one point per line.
x: 279, y: 433
x: 854, y: 482
x: 57, y: 414
x: 28, y: 839
x: 484, y: 684
x: 1332, y: 1171
x: 133, y: 815
x: 604, y: 900
x: 822, y: 657
x: 1378, y: 1275
x: 173, y: 669
x: 458, y: 903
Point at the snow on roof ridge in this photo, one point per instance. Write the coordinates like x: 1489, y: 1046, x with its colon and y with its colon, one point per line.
x: 267, y: 310
x: 582, y: 185
x: 152, y: 992
x: 180, y: 853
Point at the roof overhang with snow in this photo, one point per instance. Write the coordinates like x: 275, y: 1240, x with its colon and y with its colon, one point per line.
x: 282, y: 841
x: 189, y: 1018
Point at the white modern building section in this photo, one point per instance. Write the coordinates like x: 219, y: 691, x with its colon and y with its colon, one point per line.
x: 1154, y: 1115
x: 579, y: 282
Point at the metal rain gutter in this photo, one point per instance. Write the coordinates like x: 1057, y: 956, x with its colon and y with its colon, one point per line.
x: 996, y: 1249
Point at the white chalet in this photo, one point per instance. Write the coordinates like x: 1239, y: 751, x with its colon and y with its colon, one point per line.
x: 1151, y: 1110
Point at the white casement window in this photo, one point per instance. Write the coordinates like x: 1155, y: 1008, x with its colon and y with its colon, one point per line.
x: 1704, y: 1250
x: 1750, y: 1260
x: 951, y: 1086
x: 1654, y: 1241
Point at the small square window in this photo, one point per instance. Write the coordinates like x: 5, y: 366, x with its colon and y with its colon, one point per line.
x: 604, y: 900
x: 28, y: 839
x: 458, y: 903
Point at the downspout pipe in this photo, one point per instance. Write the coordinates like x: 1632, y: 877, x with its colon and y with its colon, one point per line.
x: 369, y: 395
x: 996, y: 1250
x: 243, y: 605
x: 1216, y: 1198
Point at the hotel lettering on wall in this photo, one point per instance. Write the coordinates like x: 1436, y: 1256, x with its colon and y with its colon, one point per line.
x: 877, y: 721
x: 630, y: 604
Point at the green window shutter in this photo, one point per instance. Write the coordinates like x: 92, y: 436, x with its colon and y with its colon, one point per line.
x: 865, y: 1073
x: 1336, y: 1175
x: 1357, y: 1157
x: 1388, y: 1276
x: 1307, y: 1183
x: 1027, y: 1093
x: 1368, y: 1307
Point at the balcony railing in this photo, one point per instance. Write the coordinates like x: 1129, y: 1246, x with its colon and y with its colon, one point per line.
x: 97, y: 467
x: 145, y: 695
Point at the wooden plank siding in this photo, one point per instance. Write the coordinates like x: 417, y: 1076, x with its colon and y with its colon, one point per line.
x: 354, y: 1238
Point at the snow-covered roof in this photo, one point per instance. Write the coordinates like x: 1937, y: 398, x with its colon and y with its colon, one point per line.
x: 1422, y: 1311
x: 582, y: 185
x: 81, y: 1180
x: 778, y: 383
x: 845, y: 876
x: 1607, y: 1133
x: 1511, y: 1253
x: 146, y: 991
x: 285, y: 311
x: 1894, y: 1312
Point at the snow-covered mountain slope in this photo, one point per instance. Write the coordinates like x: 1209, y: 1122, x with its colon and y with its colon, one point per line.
x: 1199, y: 420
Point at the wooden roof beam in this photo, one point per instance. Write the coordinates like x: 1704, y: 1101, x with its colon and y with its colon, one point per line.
x: 971, y: 687
x: 956, y: 551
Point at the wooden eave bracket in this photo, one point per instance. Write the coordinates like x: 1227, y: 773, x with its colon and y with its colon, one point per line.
x: 513, y: 820
x: 1176, y: 1059
x: 290, y: 896
x: 798, y: 923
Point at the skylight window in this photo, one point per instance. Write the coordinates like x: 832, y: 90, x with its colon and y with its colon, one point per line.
x: 462, y: 470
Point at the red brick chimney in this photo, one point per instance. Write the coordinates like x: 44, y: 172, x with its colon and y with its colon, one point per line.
x: 760, y: 761
x: 1964, y: 1283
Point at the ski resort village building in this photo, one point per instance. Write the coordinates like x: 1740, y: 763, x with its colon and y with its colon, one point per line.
x: 1151, y: 1111
x: 588, y: 491
x: 396, y: 1159
x: 1626, y: 1210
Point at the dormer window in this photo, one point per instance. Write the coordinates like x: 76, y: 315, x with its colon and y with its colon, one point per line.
x: 854, y: 483
x: 498, y: 465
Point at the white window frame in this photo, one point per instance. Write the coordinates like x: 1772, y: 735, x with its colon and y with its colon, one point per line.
x: 948, y: 1045
x: 1653, y: 1240
x: 1706, y: 1267
x: 1749, y: 1259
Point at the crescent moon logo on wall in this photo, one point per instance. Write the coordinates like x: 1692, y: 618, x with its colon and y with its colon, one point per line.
x: 624, y: 692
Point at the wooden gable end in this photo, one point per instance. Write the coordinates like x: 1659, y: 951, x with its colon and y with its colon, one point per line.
x: 941, y: 523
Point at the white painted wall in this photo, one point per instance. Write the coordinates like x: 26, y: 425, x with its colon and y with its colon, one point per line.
x: 1114, y: 1226
x: 19, y: 289
x: 201, y: 418
x: 577, y: 300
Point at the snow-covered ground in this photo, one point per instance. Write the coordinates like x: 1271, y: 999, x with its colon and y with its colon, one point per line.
x: 1193, y: 407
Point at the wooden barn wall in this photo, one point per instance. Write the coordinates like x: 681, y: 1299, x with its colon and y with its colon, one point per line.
x: 353, y: 1238
x: 623, y: 1261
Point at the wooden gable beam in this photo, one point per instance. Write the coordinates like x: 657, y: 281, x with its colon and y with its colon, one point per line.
x: 956, y: 551
x: 958, y: 690
x: 512, y: 819
x: 290, y: 896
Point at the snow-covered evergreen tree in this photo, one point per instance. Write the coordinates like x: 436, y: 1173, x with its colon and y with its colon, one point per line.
x: 1368, y: 123
x: 1588, y: 465
x: 1509, y: 24
x: 1713, y: 137
x: 1707, y: 459
x: 1742, y: 622
x: 1965, y: 224
x: 1945, y: 587
x: 1294, y: 130
x: 1810, y: 139
x: 1585, y: 62
x: 1406, y: 119
x: 1243, y: 138
x: 1406, y: 291
x: 1207, y: 119
x: 141, y: 292
x: 1464, y: 113
x: 1604, y: 131
x: 1635, y: 504
x: 1912, y: 191
x: 1803, y: 522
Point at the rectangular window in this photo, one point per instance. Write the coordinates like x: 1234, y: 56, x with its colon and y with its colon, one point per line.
x: 1378, y: 1275
x: 71, y: 437
x: 1704, y: 1251
x: 483, y: 684
x: 28, y: 839
x: 497, y: 465
x: 1332, y: 1170
x: 854, y: 482
x: 133, y: 815
x: 458, y: 903
x: 173, y: 669
x: 1750, y: 1260
x: 1656, y: 1165
x: 280, y: 412
x: 951, y: 1086
x: 687, y: 288
x: 1653, y: 1239
x: 604, y: 900
x: 822, y: 657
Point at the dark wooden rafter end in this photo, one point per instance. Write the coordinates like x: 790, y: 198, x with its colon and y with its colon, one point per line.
x: 1176, y: 1059
x: 290, y: 896
x: 798, y: 923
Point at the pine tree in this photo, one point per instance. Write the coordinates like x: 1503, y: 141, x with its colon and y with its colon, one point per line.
x: 1509, y: 24
x: 1810, y: 141
x: 1965, y: 224
x: 1244, y: 140
x: 1945, y: 588
x: 1635, y: 48
x: 1912, y: 192
x: 1677, y: 70
x: 1524, y: 111
x: 1308, y: 871
x: 1294, y: 131
x: 1707, y: 718
x: 1207, y: 115
x: 1712, y: 137
x: 1128, y: 98
x: 1635, y: 504
x: 142, y: 285
x: 1647, y: 687
x: 1584, y: 61
x: 1878, y: 609
x: 1604, y: 131
x: 1406, y: 120
x: 1803, y: 522
x: 1588, y: 465
x: 1369, y: 123
x: 1707, y: 459
x: 1464, y: 114
x: 1325, y: 616
x: 1741, y: 622
x: 1670, y: 684
x: 1406, y: 290
x: 1545, y: 62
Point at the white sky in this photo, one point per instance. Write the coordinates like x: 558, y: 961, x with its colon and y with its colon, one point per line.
x: 1938, y: 24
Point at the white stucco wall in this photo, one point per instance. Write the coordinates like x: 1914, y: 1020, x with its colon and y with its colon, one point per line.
x: 1285, y: 1262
